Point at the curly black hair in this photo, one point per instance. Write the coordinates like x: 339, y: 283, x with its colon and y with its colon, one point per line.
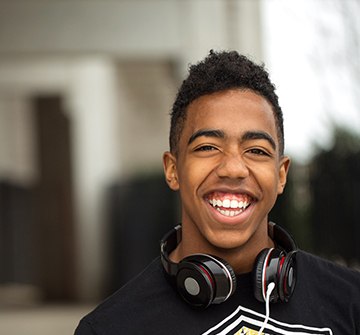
x: 221, y: 71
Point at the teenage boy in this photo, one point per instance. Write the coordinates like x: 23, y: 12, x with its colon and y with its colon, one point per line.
x: 227, y: 269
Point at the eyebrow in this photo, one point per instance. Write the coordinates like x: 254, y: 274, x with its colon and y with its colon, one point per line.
x: 207, y: 133
x: 247, y: 136
x: 259, y: 135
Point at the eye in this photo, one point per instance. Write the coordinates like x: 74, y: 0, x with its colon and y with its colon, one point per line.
x: 205, y: 148
x: 258, y: 151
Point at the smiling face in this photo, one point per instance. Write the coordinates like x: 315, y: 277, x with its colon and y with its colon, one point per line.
x: 229, y: 172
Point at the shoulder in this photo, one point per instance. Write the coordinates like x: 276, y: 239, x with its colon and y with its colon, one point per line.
x: 327, y: 293
x: 325, y: 268
x: 127, y: 305
x: 323, y: 277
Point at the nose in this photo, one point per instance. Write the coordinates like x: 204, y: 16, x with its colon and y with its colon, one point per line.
x: 232, y: 166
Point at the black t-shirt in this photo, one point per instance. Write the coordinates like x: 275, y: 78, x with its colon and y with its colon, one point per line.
x: 326, y: 301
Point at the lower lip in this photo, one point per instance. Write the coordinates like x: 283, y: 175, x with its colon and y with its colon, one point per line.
x: 233, y: 220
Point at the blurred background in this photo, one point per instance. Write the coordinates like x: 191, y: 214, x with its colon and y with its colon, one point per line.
x: 86, y: 88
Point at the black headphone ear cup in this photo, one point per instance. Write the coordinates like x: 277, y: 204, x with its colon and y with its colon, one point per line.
x: 267, y: 268
x: 226, y: 282
x: 258, y: 271
x: 195, y: 284
x: 204, y: 279
x: 287, y: 279
x: 232, y: 276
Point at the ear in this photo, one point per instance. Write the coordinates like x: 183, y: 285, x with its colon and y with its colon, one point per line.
x: 283, y: 172
x: 170, y: 170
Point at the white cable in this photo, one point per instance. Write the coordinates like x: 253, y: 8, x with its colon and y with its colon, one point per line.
x: 269, y: 290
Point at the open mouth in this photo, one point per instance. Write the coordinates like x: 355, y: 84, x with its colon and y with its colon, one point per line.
x: 230, y: 204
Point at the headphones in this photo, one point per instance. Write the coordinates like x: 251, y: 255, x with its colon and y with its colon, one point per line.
x: 203, y: 279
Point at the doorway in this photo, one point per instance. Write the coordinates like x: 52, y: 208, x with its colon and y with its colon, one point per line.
x: 53, y: 199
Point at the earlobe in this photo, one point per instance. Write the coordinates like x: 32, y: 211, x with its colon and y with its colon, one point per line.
x: 283, y: 172
x: 170, y: 170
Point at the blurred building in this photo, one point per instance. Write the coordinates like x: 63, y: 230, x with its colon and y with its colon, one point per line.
x: 85, y: 92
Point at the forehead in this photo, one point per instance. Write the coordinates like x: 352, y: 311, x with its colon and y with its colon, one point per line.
x: 233, y: 111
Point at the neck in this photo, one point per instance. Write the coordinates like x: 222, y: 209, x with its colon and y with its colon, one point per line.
x: 240, y: 258
x: 243, y: 258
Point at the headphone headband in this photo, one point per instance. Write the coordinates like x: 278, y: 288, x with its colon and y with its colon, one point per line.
x: 281, y: 237
x: 168, y: 244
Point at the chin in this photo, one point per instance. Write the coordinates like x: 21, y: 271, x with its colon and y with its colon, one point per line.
x: 228, y: 243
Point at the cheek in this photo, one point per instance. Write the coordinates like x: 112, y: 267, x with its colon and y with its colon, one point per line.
x: 192, y: 176
x: 188, y: 178
x: 268, y: 179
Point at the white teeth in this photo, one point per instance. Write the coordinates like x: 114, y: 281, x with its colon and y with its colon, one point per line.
x: 226, y: 203
x: 234, y: 204
x: 229, y: 213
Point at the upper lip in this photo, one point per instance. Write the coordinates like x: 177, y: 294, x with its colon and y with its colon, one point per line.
x: 231, y: 190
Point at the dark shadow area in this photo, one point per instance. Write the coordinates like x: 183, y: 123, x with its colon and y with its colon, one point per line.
x: 141, y: 210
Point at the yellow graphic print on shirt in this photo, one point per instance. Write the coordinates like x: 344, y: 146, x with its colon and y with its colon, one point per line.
x: 246, y: 331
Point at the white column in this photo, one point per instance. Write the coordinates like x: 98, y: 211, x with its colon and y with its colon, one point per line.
x: 219, y: 25
x: 245, y: 28
x: 95, y: 114
x: 203, y: 27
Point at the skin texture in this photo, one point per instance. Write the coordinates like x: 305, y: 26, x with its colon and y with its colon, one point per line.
x: 228, y: 150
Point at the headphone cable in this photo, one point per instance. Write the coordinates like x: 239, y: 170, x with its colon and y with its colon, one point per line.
x: 269, y: 290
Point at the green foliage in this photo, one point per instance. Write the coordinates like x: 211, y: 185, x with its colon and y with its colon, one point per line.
x: 321, y: 203
x: 335, y: 190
